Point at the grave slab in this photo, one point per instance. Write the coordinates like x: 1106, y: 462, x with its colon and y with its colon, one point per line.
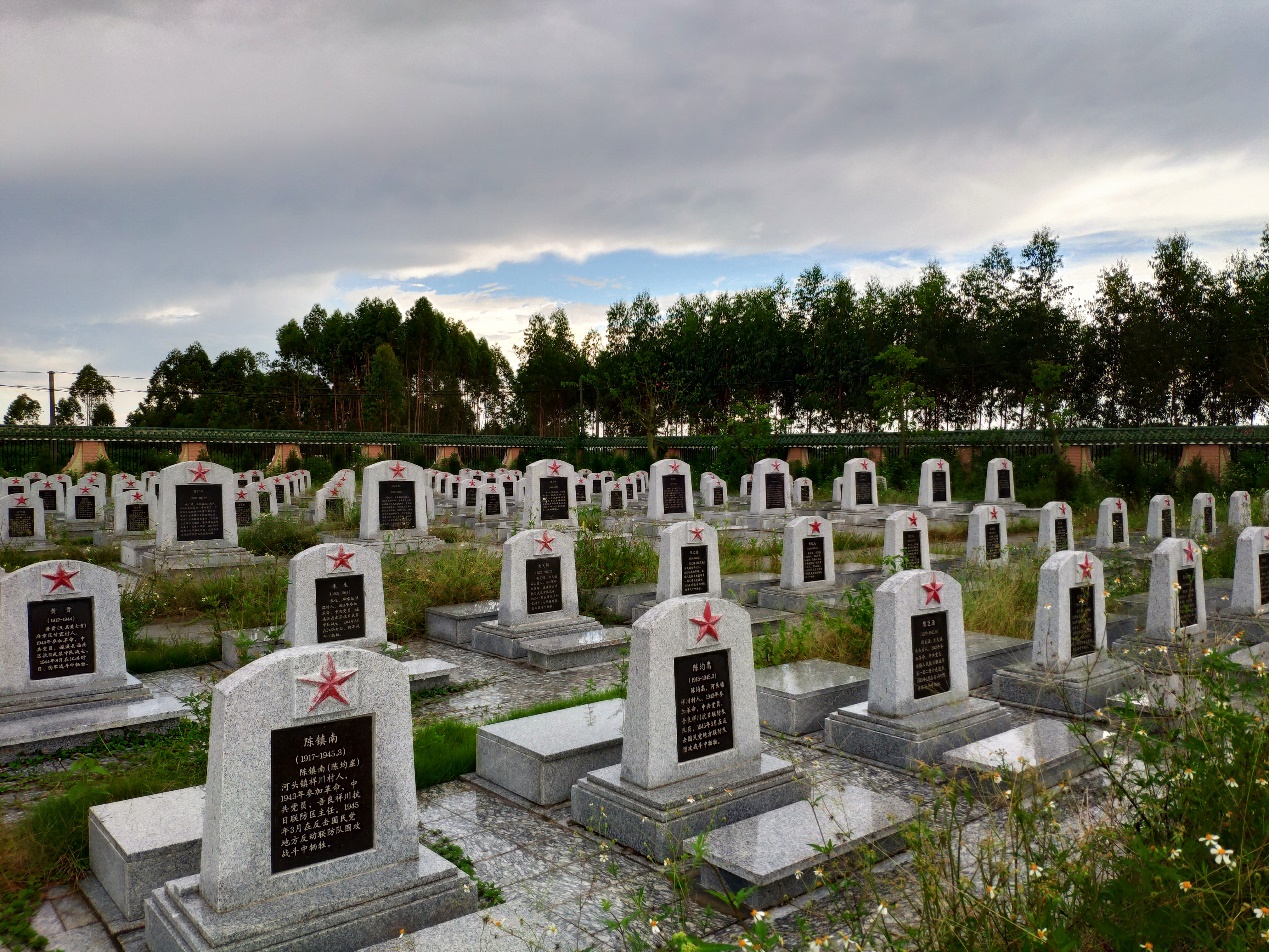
x: 743, y: 587
x: 1047, y: 746
x: 453, y: 623
x: 766, y: 852
x: 795, y: 698
x: 428, y: 673
x: 539, y: 758
x: 559, y: 652
x: 622, y: 599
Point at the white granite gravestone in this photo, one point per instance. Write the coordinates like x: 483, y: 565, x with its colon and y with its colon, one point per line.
x: 614, y: 496
x: 580, y: 489
x: 1112, y: 524
x: 14, y: 485
x: 538, y: 594
x: 136, y: 512
x: 196, y: 507
x: 988, y: 540
x: 859, y: 484
x: 936, y: 484
x: 469, y: 495
x: 329, y: 503
x: 838, y: 483
x: 123, y: 482
x: 392, y: 501
x: 86, y: 505
x: 310, y: 830
x: 713, y: 492
x: 51, y: 494
x: 491, y: 504
x: 1239, y: 509
x: 280, y: 486
x: 266, y: 501
x: 1203, y: 515
x: 1176, y: 609
x: 1000, y: 486
x: 1069, y: 671
x: 62, y: 674
x: 907, y: 537
x: 692, y: 755
x: 772, y: 488
x: 746, y: 486
x: 34, y: 476
x: 21, y: 519
x: 670, y: 491
x: 334, y: 593
x: 548, y: 494
x: 689, y: 561
x: 803, y: 491
x: 1251, y: 572
x: 806, y: 565
x: 1161, y: 519
x: 918, y: 704
x: 1057, y: 528
x: 246, y: 505
x: 93, y: 478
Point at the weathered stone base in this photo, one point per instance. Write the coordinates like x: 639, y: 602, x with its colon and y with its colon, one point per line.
x: 766, y: 852
x: 659, y: 822
x: 336, y: 917
x: 922, y: 738
x: 453, y: 624
x: 1081, y: 689
x: 621, y: 599
x: 798, y: 600
x: 153, y: 559
x: 1047, y: 746
x: 559, y: 652
x: 507, y: 641
x: 985, y: 654
x: 428, y: 673
x: 795, y: 698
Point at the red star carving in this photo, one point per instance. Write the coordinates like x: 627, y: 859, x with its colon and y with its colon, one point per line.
x: 544, y: 543
x: 61, y: 579
x: 940, y: 464
x: 1062, y: 508
x: 334, y: 492
x: 993, y: 512
x: 863, y: 464
x: 554, y: 467
x: 15, y: 480
x: 199, y: 473
x: 1189, y: 550
x: 1267, y: 536
x: 1004, y: 464
x: 342, y: 560
x: 21, y: 500
x: 775, y: 467
x: 329, y: 682
x: 1086, y: 567
x: 47, y: 484
x: 130, y: 484
x: 242, y: 494
x: 912, y: 518
x: 137, y: 497
x: 1119, y: 504
x: 397, y: 470
x: 815, y: 526
x: 932, y: 589
x: 696, y: 534
x: 1169, y: 502
x: 707, y: 625
x: 85, y: 491
x: 92, y: 480
x: 674, y: 467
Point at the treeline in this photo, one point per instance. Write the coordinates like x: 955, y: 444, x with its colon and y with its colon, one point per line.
x: 1002, y: 344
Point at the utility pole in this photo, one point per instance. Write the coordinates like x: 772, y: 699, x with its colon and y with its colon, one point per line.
x: 50, y: 398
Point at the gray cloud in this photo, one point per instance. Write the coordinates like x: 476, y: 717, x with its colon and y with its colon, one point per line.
x: 226, y: 163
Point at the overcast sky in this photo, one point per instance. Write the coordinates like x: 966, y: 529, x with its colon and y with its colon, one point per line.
x: 172, y: 172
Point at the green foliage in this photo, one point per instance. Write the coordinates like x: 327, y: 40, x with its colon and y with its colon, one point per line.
x: 150, y: 654
x: 841, y: 633
x: 605, y: 560
x: 243, y: 598
x: 445, y: 848
x: 278, y: 535
x: 414, y: 584
x: 23, y: 411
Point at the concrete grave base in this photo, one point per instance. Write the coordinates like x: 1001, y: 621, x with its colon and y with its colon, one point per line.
x: 559, y: 652
x: 622, y: 599
x: 507, y: 641
x: 428, y: 673
x: 744, y: 586
x: 920, y: 738
x: 154, y: 559
x: 131, y: 552
x: 83, y: 720
x: 1081, y: 689
x: 539, y: 758
x: 659, y: 822
x: 1047, y: 746
x: 766, y: 852
x: 799, y: 600
x: 1253, y: 629
x: 985, y: 654
x: 453, y: 623
x: 795, y: 698
x: 346, y: 914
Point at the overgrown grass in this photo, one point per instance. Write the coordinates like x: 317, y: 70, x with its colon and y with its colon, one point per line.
x: 451, y: 534
x: 414, y: 583
x: 752, y: 555
x: 1000, y: 600
x: 278, y: 535
x: 840, y: 633
x: 243, y: 598
x: 348, y: 521
x: 150, y: 654
x: 1219, y: 553
x: 605, y: 560
x: 13, y: 558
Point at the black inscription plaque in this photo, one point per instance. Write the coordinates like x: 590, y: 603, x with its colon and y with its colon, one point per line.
x: 242, y: 512
x: 702, y: 700
x: 931, y: 660
x: 137, y: 517
x: 469, y: 497
x: 992, y: 533
x: 1003, y: 486
x: 493, y: 504
x: 22, y: 523
x: 1209, y: 520
x: 1186, y: 598
x: 673, y: 493
x: 630, y: 490
x: 1165, y: 520
x: 1083, y: 632
x: 913, y: 556
x: 596, y: 487
x: 1263, y: 566
x: 1116, y: 528
x: 60, y: 638
x: 804, y: 493
x: 49, y: 498
x: 774, y: 483
x: 242, y: 484
x: 453, y: 489
x: 938, y: 486
x: 199, y: 516
x: 14, y: 490
x: 1061, y: 534
x: 543, y: 589
x: 695, y: 569
x: 508, y: 488
x: 813, y: 559
x: 86, y: 507
x: 341, y: 608
x: 279, y: 491
x: 553, y: 492
x: 322, y: 792
x: 614, y: 497
x: 579, y: 492
x: 263, y: 500
x: 718, y: 495
x: 396, y: 504
x: 863, y: 489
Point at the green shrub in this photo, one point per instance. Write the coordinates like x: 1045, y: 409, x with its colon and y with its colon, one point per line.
x: 605, y: 560
x: 278, y: 535
x: 413, y: 584
x: 150, y: 654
